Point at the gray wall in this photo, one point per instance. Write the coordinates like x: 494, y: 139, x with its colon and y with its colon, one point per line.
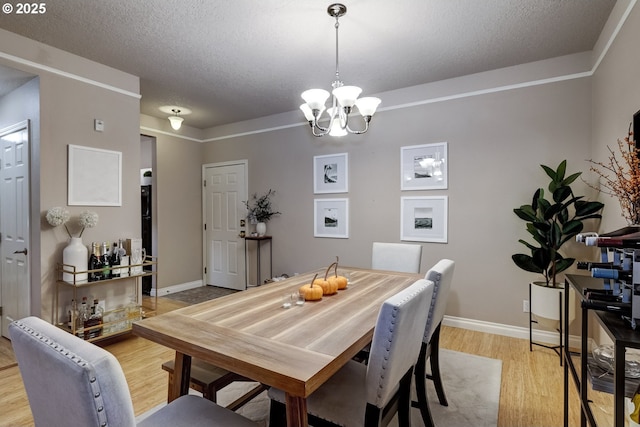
x: 496, y: 143
x: 68, y: 107
x: 616, y: 97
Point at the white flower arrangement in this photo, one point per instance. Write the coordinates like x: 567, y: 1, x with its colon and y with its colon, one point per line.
x: 88, y: 219
x: 57, y: 216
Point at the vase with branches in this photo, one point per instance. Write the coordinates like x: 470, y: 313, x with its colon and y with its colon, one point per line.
x: 260, y: 210
x: 620, y: 177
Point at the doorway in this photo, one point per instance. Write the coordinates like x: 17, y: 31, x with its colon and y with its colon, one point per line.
x: 148, y: 216
x: 15, y: 288
x: 225, y: 190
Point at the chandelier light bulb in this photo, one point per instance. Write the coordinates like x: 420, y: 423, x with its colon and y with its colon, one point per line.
x: 336, y: 128
x: 367, y: 106
x: 347, y: 95
x: 308, y: 113
x: 315, y: 98
x: 176, y: 122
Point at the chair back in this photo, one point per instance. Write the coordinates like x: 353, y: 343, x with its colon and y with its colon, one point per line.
x: 69, y: 382
x: 441, y: 275
x: 396, y: 340
x: 402, y: 257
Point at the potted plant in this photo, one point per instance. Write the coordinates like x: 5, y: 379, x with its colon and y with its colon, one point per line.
x: 552, y: 223
x: 260, y: 211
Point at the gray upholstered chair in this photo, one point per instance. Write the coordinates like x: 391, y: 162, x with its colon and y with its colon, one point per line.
x: 441, y: 275
x: 71, y: 382
x: 402, y: 257
x: 372, y: 394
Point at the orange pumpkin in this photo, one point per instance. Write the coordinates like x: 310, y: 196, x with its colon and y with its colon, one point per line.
x: 311, y: 291
x: 341, y: 282
x: 329, y: 287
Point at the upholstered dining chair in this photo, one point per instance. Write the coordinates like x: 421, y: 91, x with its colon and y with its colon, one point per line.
x: 402, y: 257
x: 71, y: 382
x: 372, y: 394
x: 441, y: 275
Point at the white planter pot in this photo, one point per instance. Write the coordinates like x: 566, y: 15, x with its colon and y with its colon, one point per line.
x: 261, y: 229
x: 544, y: 305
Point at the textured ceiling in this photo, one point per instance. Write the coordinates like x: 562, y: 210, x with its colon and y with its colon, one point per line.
x: 229, y: 61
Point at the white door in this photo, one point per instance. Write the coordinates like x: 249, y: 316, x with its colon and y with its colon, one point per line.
x: 224, y: 192
x: 14, y: 224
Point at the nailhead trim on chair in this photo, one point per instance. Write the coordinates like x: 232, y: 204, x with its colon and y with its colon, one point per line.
x: 95, y: 386
x: 437, y: 281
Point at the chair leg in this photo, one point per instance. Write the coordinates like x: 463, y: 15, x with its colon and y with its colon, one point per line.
x: 170, y: 386
x: 434, y: 360
x: 404, y: 400
x: 277, y: 414
x: 421, y: 387
x: 210, y: 393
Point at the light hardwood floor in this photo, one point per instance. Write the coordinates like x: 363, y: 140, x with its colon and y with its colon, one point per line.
x: 531, y: 392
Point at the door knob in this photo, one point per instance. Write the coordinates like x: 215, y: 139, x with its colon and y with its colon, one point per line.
x: 24, y: 251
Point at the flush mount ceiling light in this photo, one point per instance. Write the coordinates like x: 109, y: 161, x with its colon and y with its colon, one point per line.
x: 343, y: 98
x: 175, y: 119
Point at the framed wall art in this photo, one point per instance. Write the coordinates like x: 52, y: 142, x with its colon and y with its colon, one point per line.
x: 331, y: 218
x: 424, y: 219
x: 331, y: 173
x: 424, y: 167
x: 94, y: 177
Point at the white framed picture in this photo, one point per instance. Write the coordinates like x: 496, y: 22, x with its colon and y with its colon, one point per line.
x: 424, y: 219
x: 424, y: 167
x: 331, y: 218
x: 331, y: 173
x: 94, y: 177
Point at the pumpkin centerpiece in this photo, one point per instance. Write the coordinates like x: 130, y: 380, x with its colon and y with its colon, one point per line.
x: 340, y: 281
x: 329, y: 287
x: 312, y: 291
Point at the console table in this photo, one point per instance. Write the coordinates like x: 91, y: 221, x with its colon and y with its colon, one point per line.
x: 259, y: 240
x: 618, y: 331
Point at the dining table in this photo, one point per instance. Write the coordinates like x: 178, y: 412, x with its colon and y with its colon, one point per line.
x: 295, y: 349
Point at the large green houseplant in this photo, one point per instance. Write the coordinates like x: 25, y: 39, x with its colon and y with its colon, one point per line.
x: 551, y: 223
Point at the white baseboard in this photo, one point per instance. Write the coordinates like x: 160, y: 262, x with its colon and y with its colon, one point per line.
x: 176, y: 288
x: 542, y: 336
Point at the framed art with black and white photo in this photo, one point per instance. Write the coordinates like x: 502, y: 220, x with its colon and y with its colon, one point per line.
x: 331, y: 218
x: 331, y: 173
x: 424, y: 167
x: 424, y: 219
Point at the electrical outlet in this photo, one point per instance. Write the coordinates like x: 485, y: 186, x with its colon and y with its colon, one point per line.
x: 525, y: 305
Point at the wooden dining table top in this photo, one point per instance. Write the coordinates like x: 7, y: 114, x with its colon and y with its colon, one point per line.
x: 295, y: 349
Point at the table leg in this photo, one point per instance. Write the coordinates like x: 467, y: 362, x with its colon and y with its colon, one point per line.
x: 618, y: 383
x: 181, y: 376
x: 258, y: 267
x: 296, y: 411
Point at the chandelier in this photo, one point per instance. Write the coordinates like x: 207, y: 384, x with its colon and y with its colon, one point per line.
x: 344, y: 98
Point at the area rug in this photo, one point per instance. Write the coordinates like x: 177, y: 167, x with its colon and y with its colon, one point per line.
x: 471, y: 383
x: 199, y: 294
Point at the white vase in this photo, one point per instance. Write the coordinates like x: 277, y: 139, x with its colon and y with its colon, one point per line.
x: 261, y: 229
x: 76, y: 255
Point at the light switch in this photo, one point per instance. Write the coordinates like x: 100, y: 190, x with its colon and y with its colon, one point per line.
x: 98, y: 125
